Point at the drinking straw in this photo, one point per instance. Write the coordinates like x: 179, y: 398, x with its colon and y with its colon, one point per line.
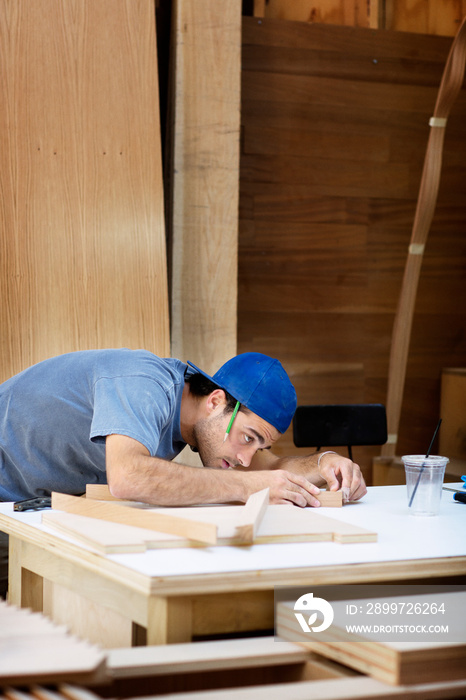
x: 424, y: 463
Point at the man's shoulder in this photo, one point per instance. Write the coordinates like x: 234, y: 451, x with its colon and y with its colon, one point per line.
x: 141, y: 363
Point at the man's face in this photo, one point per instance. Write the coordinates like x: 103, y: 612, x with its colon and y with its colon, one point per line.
x: 248, y: 434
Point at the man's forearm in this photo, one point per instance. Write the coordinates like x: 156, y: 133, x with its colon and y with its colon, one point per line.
x: 306, y: 466
x: 133, y: 474
x: 157, y: 481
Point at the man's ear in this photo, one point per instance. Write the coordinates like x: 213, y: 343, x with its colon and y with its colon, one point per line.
x: 215, y: 400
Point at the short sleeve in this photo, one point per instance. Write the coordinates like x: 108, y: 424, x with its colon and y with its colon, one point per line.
x: 137, y: 407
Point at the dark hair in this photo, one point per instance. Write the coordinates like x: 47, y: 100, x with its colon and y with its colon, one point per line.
x: 201, y: 386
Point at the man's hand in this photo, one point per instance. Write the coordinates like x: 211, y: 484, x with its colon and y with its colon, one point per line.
x: 332, y: 470
x: 284, y: 487
x: 340, y: 472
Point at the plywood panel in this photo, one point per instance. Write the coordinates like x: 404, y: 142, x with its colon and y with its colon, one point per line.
x: 335, y: 125
x: 83, y: 261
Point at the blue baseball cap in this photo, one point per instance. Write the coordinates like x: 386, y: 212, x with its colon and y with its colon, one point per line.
x: 261, y: 384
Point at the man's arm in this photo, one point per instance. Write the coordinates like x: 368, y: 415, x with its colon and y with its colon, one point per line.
x: 134, y: 475
x: 321, y: 468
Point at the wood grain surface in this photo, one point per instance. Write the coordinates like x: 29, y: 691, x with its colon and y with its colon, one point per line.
x: 206, y: 122
x: 83, y: 261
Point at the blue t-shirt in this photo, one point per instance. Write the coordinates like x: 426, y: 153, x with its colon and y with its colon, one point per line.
x: 55, y: 416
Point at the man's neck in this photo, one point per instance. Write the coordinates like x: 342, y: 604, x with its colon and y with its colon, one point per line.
x: 189, y: 414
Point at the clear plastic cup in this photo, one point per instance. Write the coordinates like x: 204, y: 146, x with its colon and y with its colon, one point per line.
x: 424, y: 481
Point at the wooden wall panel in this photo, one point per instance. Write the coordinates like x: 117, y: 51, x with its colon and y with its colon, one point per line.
x: 205, y: 180
x: 421, y: 16
x: 352, y: 12
x: 424, y: 16
x: 83, y: 262
x: 333, y: 143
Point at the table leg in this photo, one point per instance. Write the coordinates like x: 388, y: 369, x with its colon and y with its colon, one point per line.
x: 25, y: 588
x: 14, y: 571
x: 169, y: 620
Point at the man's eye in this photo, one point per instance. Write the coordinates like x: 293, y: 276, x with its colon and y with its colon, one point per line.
x: 248, y: 439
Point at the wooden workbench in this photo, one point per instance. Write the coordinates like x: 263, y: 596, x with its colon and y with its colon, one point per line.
x: 178, y: 594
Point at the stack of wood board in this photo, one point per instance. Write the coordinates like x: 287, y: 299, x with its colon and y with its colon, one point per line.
x: 394, y: 662
x: 270, y: 667
x: 34, y: 650
x: 123, y: 528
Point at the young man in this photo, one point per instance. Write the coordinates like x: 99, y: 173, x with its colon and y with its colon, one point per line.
x: 121, y: 416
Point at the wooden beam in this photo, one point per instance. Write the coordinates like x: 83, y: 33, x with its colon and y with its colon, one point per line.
x: 193, y: 530
x: 205, y: 180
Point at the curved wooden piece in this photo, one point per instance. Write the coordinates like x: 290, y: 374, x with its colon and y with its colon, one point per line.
x: 450, y: 86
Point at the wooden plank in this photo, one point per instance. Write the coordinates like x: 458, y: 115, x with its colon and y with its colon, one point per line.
x: 330, y: 499
x: 107, y: 537
x: 100, y: 492
x: 392, y: 662
x: 81, y: 178
x: 317, y: 143
x: 391, y: 45
x: 153, y: 520
x: 205, y: 180
x: 350, y: 63
x: 349, y: 178
x: 251, y: 516
x: 336, y: 91
x: 203, y: 656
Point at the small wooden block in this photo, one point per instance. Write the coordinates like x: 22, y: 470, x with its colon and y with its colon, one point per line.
x: 330, y: 499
